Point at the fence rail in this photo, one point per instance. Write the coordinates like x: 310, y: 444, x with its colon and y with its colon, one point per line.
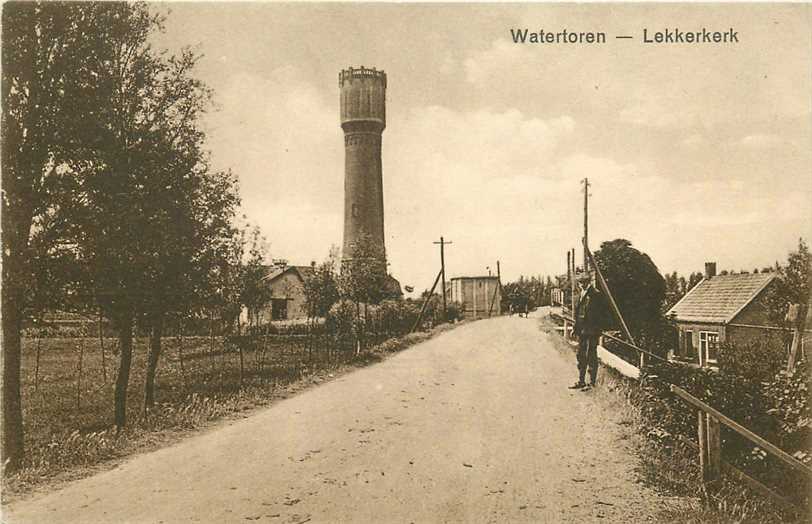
x: 741, y: 430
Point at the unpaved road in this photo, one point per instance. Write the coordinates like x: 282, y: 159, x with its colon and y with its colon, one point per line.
x: 475, y: 425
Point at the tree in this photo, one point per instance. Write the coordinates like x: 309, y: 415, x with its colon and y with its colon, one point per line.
x: 47, y: 67
x: 255, y: 293
x: 791, y: 286
x: 140, y: 188
x: 694, y: 279
x: 189, y: 225
x: 524, y: 292
x: 321, y: 289
x: 363, y: 278
x: 637, y: 287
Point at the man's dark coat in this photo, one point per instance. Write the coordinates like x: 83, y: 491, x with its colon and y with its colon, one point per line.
x: 591, y: 313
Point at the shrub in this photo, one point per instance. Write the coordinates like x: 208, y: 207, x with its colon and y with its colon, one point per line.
x: 757, y: 361
x: 398, y: 316
x: 340, y: 323
x: 788, y: 394
x: 454, y: 311
x: 777, y: 410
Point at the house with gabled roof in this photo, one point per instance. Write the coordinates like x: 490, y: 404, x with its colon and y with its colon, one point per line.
x: 286, y: 283
x: 721, y: 308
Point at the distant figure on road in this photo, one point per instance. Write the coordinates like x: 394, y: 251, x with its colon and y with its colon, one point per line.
x: 591, y: 318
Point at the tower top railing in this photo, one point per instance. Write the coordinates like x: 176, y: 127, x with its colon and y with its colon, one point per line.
x: 362, y: 72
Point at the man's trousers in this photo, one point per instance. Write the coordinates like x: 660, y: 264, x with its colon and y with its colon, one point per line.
x: 588, y: 357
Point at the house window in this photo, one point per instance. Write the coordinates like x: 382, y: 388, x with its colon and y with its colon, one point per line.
x: 279, y: 309
x: 708, y: 346
x: 688, y: 343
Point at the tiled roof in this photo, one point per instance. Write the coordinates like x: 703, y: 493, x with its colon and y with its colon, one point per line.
x: 720, y: 298
x: 275, y: 271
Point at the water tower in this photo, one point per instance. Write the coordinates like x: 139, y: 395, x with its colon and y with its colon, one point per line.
x: 363, y: 119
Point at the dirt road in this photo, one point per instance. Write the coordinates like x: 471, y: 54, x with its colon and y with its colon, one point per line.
x: 475, y: 425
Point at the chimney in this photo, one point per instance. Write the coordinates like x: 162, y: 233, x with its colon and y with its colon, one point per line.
x: 710, y: 270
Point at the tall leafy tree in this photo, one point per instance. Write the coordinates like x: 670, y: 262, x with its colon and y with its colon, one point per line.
x: 49, y: 59
x: 637, y: 287
x: 116, y: 181
x: 140, y: 191
x: 791, y: 286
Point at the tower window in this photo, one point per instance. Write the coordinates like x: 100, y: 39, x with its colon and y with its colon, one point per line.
x: 355, y: 210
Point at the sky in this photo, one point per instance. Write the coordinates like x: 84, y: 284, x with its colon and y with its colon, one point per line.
x: 694, y: 153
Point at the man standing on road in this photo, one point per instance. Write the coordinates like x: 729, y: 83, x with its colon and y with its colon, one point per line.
x: 590, y: 321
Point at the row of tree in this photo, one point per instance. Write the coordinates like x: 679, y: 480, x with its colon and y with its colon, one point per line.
x: 531, y: 292
x: 110, y: 204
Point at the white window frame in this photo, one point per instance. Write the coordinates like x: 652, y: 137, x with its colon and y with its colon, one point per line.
x: 704, y: 345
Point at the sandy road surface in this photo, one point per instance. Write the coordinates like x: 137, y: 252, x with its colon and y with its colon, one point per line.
x: 475, y: 425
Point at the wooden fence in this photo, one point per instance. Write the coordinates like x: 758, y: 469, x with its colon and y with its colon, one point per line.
x: 710, y: 448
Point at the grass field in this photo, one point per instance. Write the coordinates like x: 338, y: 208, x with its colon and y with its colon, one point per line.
x: 67, y: 390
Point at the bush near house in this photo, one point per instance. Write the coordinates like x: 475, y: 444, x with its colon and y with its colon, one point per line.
x: 777, y: 409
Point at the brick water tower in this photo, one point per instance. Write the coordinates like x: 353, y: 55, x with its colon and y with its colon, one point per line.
x: 363, y: 119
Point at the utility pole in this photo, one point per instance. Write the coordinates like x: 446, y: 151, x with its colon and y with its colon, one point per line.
x: 497, y: 288
x: 586, y: 183
x: 498, y: 282
x: 570, y: 277
x: 442, y: 272
x: 572, y: 281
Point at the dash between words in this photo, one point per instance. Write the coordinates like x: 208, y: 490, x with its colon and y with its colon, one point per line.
x: 665, y: 36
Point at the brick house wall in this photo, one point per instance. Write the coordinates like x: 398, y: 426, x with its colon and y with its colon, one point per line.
x: 691, y: 338
x: 741, y: 328
x: 290, y: 288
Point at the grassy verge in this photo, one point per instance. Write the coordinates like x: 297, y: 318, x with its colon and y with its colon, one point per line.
x: 673, y: 469
x: 68, y: 406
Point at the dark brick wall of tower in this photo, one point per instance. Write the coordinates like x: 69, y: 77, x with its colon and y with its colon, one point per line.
x: 363, y: 119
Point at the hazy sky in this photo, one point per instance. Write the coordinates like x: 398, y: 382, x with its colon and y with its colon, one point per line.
x: 694, y: 152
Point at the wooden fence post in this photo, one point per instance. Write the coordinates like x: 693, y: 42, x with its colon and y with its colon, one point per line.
x: 714, y: 449
x: 710, y: 447
x: 703, y: 444
x: 797, y: 315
